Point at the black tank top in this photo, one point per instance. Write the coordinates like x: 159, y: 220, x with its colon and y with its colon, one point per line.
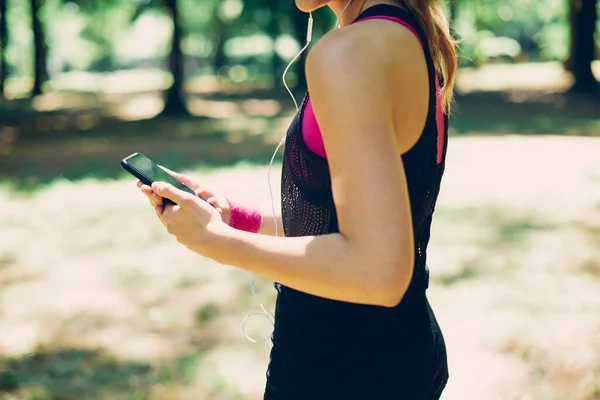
x: 310, y: 331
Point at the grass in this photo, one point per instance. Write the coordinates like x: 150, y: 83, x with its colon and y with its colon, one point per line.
x: 592, y: 265
x: 515, y: 232
x: 77, y: 373
x: 108, y: 292
x: 469, y: 270
x: 99, y: 302
x: 555, y: 379
x: 205, y: 313
x: 7, y: 259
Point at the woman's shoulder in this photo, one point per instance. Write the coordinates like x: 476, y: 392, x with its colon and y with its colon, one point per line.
x: 373, y: 44
x: 367, y: 69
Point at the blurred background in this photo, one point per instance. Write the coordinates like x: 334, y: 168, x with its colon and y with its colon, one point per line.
x: 97, y: 301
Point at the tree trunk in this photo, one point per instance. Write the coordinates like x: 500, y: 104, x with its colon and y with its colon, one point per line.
x: 40, y: 50
x: 3, y: 45
x: 220, y: 32
x: 274, y: 29
x: 572, y: 32
x: 453, y: 17
x: 174, y: 103
x: 584, y: 48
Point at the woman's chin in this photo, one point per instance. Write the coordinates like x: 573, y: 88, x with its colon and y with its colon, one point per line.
x: 310, y: 5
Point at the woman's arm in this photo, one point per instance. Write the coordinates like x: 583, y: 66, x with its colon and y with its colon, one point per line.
x: 328, y: 265
x: 370, y: 260
x: 268, y: 225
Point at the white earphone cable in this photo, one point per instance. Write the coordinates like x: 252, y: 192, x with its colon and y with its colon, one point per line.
x: 266, y: 313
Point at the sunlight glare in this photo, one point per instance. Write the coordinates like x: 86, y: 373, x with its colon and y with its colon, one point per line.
x: 230, y: 9
x: 149, y: 36
x: 286, y: 46
x: 245, y: 46
x: 140, y: 107
x: 213, y: 109
x: 261, y: 108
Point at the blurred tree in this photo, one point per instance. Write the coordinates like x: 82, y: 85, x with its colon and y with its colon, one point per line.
x: 174, y: 97
x: 452, y: 5
x: 40, y: 49
x: 219, y: 34
x: 572, y: 23
x: 96, y: 31
x: 583, y: 46
x: 232, y: 19
x: 174, y: 101
x: 3, y: 46
x: 276, y: 18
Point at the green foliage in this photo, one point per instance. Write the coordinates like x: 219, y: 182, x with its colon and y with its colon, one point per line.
x: 522, y: 30
x: 255, y: 37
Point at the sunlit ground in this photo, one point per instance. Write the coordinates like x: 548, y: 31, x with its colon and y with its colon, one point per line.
x: 97, y: 301
x: 550, y: 76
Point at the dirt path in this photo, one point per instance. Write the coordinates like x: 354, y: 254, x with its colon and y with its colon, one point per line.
x: 515, y: 260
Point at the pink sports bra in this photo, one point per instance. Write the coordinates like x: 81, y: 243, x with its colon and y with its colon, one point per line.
x: 311, y: 133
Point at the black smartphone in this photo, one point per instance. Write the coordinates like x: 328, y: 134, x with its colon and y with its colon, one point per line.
x: 147, y: 171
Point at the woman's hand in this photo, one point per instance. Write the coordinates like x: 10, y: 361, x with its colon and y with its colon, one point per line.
x: 220, y: 203
x: 192, y: 220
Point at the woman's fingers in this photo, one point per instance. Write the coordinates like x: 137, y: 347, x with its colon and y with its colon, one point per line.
x: 191, y: 183
x: 155, y: 200
x: 186, y: 180
x: 147, y: 190
x: 205, y: 194
x: 214, y: 202
x: 159, y: 213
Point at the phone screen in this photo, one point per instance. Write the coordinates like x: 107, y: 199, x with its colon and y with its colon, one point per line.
x: 154, y: 172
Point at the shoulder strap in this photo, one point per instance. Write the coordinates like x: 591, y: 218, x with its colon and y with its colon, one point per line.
x: 404, y: 17
x: 408, y: 20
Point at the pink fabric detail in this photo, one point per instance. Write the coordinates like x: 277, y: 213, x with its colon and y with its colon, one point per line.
x: 311, y: 133
x: 440, y: 121
x: 244, y: 218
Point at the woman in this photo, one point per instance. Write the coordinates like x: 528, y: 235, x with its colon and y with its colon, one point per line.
x: 362, y: 168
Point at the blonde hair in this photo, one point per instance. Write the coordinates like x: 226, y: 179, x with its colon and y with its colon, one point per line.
x: 442, y: 45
